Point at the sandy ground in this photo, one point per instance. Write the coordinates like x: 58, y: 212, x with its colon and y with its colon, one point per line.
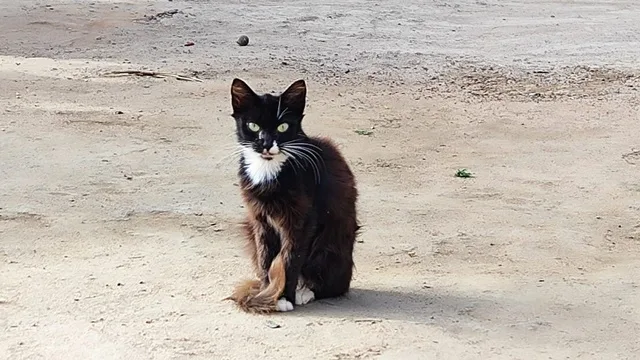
x: 119, y: 208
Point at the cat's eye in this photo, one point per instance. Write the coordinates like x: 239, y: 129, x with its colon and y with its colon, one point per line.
x: 283, y: 127
x: 253, y: 127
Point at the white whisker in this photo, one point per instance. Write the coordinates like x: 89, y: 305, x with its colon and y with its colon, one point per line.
x: 310, y: 151
x: 298, y: 142
x: 278, y: 113
x: 307, y: 159
x: 295, y: 162
x: 230, y: 156
x: 310, y: 156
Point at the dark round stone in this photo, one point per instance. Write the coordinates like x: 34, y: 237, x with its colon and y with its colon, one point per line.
x: 243, y: 40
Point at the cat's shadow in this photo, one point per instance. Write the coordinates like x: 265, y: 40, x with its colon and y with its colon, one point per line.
x: 452, y: 312
x: 425, y: 306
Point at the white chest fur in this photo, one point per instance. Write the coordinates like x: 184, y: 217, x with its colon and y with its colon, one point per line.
x: 261, y: 170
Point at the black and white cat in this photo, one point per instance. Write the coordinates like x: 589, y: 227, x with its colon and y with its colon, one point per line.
x: 300, y: 194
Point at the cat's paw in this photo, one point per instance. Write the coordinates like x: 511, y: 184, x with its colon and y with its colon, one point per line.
x: 284, y: 305
x: 304, y: 296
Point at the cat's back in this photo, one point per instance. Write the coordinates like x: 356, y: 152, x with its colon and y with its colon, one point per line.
x: 338, y: 195
x: 333, y: 158
x: 339, y: 178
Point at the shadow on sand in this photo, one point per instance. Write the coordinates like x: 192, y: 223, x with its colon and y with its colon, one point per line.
x: 423, y: 306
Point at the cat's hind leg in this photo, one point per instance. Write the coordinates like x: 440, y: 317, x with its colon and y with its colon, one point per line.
x: 304, y: 294
x: 328, y: 274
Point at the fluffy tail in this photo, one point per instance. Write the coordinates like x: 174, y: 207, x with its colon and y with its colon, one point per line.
x: 250, y: 298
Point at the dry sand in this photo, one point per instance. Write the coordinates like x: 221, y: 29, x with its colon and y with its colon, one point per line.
x: 119, y: 212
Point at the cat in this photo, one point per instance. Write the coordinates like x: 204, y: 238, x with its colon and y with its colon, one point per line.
x: 300, y: 194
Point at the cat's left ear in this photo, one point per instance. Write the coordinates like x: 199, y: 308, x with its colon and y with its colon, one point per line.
x: 294, y: 98
x: 242, y: 96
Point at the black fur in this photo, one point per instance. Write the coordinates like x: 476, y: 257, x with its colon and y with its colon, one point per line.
x: 307, y: 214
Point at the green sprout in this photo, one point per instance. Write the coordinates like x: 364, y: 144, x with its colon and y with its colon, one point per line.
x: 364, y: 132
x: 463, y: 173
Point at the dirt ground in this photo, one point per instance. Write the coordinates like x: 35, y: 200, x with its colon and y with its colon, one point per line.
x: 119, y: 208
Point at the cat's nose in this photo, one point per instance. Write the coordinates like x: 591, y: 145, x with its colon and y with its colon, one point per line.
x: 267, y: 143
x: 272, y: 148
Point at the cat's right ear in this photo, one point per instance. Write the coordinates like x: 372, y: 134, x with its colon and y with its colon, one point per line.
x: 242, y: 97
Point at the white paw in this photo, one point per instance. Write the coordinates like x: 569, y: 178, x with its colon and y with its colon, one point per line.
x: 284, y: 305
x: 304, y: 296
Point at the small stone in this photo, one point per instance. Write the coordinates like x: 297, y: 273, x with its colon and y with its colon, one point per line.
x: 272, y: 324
x: 243, y: 40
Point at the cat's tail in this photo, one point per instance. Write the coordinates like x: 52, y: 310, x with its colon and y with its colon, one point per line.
x: 250, y: 298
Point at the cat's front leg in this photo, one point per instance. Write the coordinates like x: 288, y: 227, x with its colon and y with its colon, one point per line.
x: 297, y: 255
x: 267, y: 246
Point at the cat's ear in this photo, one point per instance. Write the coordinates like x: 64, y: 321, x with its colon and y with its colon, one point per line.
x: 294, y: 97
x: 242, y: 97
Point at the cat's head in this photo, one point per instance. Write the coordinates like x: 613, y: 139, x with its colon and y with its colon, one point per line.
x: 266, y: 123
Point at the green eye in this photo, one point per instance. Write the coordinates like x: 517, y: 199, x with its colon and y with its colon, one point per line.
x: 283, y: 127
x: 253, y: 127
